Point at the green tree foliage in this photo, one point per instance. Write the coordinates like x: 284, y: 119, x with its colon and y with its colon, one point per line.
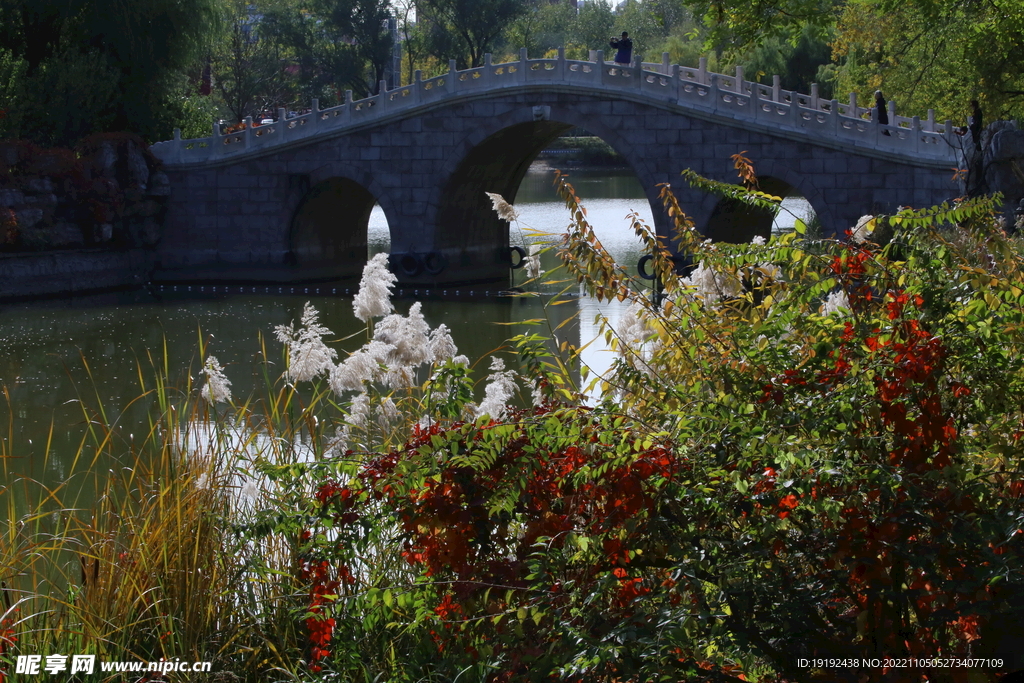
x: 594, y: 25
x: 798, y: 62
x: 83, y: 66
x: 935, y: 55
x: 248, y: 64
x: 465, y: 30
x: 337, y: 44
x: 742, y: 23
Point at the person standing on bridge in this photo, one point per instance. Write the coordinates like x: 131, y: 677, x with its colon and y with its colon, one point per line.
x: 624, y: 56
x: 975, y: 123
x: 882, y: 117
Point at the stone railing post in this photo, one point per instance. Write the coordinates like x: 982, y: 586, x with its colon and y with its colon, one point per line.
x: 247, y: 138
x: 592, y: 56
x: 314, y: 115
x: 739, y: 80
x: 666, y: 63
x: 714, y: 92
x: 282, y: 115
x: 600, y: 62
x: 702, y: 71
x: 948, y: 131
x: 347, y: 116
x: 488, y: 71
x: 176, y: 154
x: 834, y: 106
x: 776, y: 88
x: 931, y: 121
x: 417, y: 85
x: 892, y: 112
x: 853, y: 105
x: 560, y: 68
x: 451, y: 81
x: 216, y: 141
x: 814, y: 97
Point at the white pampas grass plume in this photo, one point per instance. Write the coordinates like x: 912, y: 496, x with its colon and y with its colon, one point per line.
x: 409, y: 337
x: 362, y: 366
x: 502, y: 208
x: 715, y: 286
x: 442, y: 346
x: 308, y: 356
x: 633, y: 329
x: 217, y: 386
x: 837, y: 302
x: 501, y: 386
x: 388, y: 414
x: 865, y: 226
x: 533, y: 262
x: 758, y: 241
x: 374, y: 296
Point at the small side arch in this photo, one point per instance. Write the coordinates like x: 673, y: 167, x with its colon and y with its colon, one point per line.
x: 328, y: 233
x: 725, y: 220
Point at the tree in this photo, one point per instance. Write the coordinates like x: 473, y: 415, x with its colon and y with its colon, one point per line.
x: 247, y: 69
x: 475, y: 26
x: 134, y: 56
x: 338, y: 44
x: 742, y: 23
x: 935, y: 55
x: 593, y: 27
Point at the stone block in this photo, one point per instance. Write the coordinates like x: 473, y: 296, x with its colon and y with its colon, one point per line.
x: 414, y: 125
x: 233, y: 180
x: 39, y: 185
x: 812, y: 167
x: 369, y: 154
x: 10, y: 198
x: 229, y: 195
x: 28, y: 217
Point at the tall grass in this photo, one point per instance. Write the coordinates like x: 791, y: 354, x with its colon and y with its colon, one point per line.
x: 134, y: 556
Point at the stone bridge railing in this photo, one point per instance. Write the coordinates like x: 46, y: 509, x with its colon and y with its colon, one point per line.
x: 728, y: 97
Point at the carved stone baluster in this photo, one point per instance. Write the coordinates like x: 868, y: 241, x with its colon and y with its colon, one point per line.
x: 247, y: 137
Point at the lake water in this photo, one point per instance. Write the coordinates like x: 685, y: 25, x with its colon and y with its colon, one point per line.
x: 56, y: 356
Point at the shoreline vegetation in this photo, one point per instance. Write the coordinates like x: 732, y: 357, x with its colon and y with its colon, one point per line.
x: 807, y: 448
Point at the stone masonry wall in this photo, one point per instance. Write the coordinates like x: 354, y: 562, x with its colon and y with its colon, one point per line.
x: 234, y: 217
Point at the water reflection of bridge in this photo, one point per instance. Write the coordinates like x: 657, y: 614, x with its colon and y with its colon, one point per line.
x: 291, y: 200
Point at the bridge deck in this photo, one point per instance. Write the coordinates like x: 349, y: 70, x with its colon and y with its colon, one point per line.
x: 729, y: 98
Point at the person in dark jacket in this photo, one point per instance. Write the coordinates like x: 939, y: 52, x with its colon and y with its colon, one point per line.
x: 974, y: 123
x: 883, y: 113
x: 624, y: 45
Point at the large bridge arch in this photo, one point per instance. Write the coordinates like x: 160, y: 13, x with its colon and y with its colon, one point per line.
x: 495, y: 158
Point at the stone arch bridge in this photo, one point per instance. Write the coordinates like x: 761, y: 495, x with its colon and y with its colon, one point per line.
x: 290, y: 201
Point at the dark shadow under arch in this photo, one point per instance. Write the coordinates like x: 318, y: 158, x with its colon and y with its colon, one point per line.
x: 497, y: 164
x: 328, y: 231
x: 736, y: 222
